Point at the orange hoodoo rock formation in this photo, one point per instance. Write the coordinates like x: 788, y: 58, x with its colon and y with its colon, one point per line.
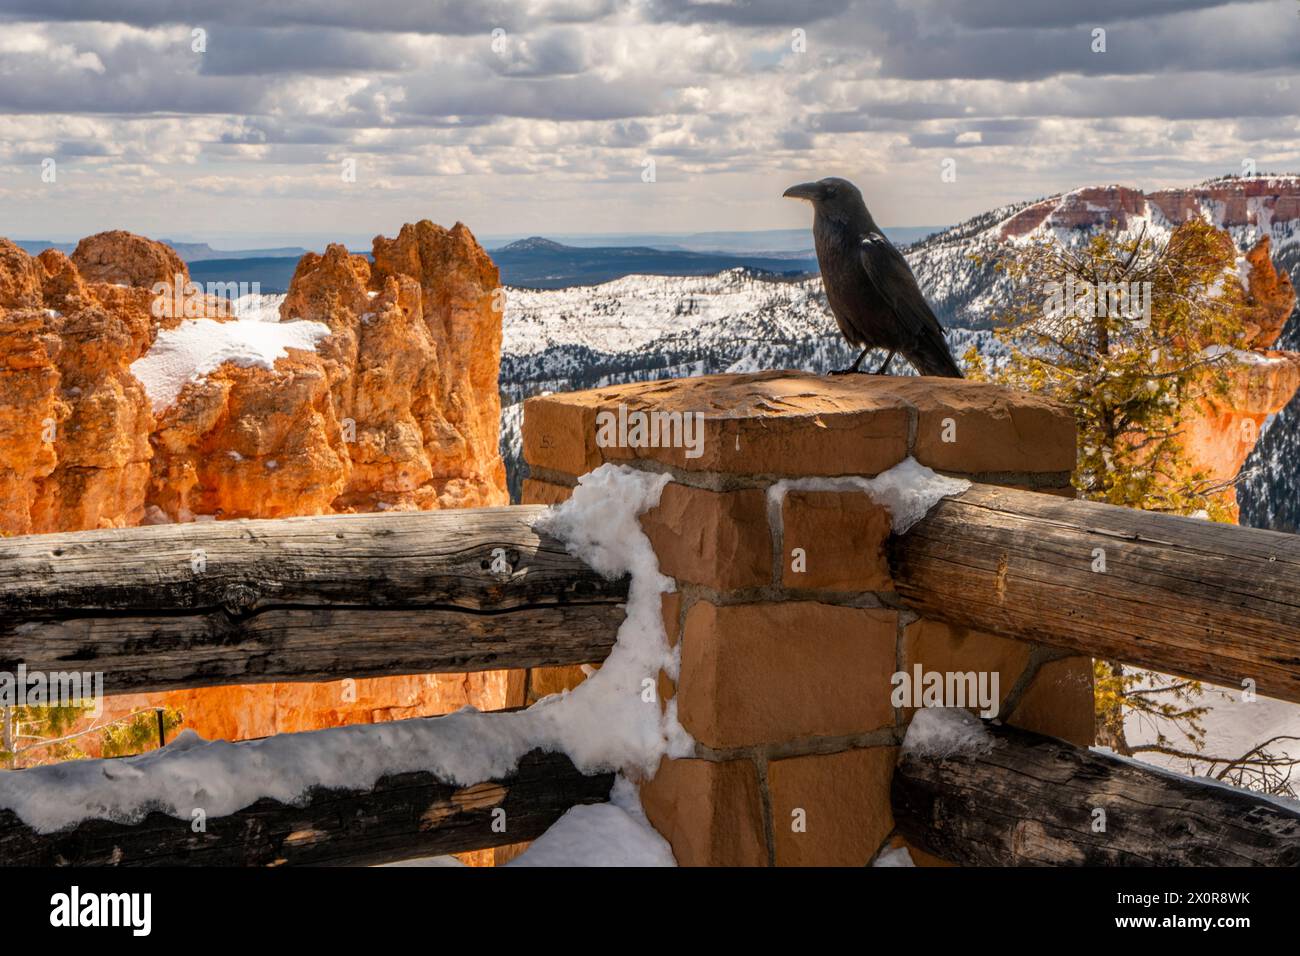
x: 74, y: 422
x: 395, y: 407
x: 1222, y: 431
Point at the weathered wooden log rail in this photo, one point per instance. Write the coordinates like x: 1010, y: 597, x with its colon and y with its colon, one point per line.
x: 403, y: 816
x: 1194, y: 598
x: 297, y: 599
x: 301, y: 599
x: 1032, y: 800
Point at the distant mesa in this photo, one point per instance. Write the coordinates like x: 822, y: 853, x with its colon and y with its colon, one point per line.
x: 535, y: 244
x: 956, y: 266
x: 1230, y: 202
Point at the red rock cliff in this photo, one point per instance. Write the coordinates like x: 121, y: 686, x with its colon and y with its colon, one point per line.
x: 1229, y: 203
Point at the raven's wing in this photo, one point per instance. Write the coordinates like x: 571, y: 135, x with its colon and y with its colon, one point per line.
x: 893, y: 279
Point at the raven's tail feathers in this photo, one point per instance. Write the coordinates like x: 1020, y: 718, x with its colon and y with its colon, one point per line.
x: 932, y: 357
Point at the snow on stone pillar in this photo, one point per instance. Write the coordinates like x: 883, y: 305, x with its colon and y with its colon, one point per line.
x: 791, y: 635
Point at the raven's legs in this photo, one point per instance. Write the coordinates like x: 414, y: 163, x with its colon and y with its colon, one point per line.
x: 884, y: 369
x: 854, y: 367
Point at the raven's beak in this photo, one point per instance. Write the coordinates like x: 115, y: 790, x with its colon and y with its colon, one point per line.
x: 808, y: 191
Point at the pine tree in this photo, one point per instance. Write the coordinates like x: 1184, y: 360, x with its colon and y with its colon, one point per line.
x: 1130, y: 333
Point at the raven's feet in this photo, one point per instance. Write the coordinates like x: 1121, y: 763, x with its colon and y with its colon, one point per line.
x: 884, y: 369
x: 854, y: 367
x: 845, y: 371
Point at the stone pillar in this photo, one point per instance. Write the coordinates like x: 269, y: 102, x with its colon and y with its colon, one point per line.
x: 789, y: 627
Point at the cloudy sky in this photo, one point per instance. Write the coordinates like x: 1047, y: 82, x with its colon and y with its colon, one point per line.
x: 240, y: 118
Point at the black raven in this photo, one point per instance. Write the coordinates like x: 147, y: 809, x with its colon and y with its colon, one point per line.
x: 871, y: 290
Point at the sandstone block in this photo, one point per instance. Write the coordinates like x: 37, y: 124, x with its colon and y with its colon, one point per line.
x: 536, y: 492
x: 665, y: 689
x: 948, y: 648
x: 787, y: 423
x: 715, y: 539
x: 974, y: 427
x: 765, y: 673
x: 710, y: 812
x: 792, y: 423
x: 1059, y: 702
x: 831, y: 809
x: 842, y: 536
x: 671, y: 607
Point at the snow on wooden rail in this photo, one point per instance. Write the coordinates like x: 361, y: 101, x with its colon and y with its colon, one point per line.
x: 999, y: 796
x: 404, y: 815
x: 300, y: 599
x: 1209, y: 601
